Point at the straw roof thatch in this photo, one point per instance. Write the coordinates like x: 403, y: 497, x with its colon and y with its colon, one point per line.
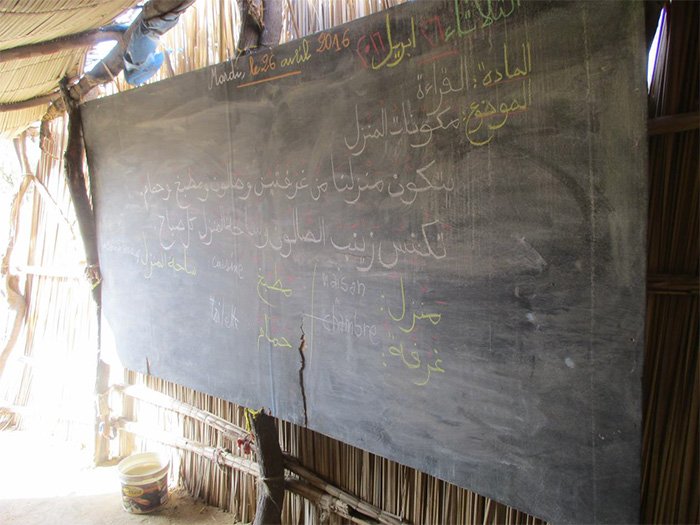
x: 27, y: 22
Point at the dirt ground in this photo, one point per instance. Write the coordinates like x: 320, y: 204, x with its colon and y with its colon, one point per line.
x: 47, y: 481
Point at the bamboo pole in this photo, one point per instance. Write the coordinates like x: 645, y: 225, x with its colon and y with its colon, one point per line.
x: 75, y: 180
x: 217, y: 455
x: 233, y: 431
x: 16, y: 300
x: 673, y: 123
x: 325, y: 501
x: 83, y: 39
x: 354, y: 502
x: 156, y: 398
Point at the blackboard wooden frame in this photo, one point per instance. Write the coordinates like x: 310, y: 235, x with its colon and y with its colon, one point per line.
x: 441, y: 207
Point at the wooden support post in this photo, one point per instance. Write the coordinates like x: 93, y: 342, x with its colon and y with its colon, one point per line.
x: 271, y: 488
x: 272, y: 22
x: 16, y: 300
x: 251, y: 27
x: 75, y: 179
x: 85, y: 39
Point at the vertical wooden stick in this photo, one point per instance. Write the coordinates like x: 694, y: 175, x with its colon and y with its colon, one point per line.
x: 271, y: 489
x: 75, y: 179
x: 16, y: 300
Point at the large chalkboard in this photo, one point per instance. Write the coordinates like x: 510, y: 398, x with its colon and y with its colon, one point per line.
x: 446, y: 201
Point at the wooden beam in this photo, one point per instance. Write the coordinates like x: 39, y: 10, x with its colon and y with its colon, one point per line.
x: 325, y: 502
x: 214, y: 454
x: 41, y: 100
x: 75, y: 180
x: 673, y: 284
x: 113, y: 64
x: 380, y: 516
x: 271, y: 461
x: 58, y: 272
x: 272, y: 22
x: 673, y: 123
x: 251, y: 28
x: 16, y: 300
x: 49, y: 47
x: 159, y: 399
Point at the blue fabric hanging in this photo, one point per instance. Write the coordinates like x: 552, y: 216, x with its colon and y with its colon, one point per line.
x: 141, y: 61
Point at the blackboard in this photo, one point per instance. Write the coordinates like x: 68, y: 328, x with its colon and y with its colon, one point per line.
x: 445, y: 200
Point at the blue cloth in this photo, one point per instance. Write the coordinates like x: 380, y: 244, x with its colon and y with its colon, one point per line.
x: 141, y: 61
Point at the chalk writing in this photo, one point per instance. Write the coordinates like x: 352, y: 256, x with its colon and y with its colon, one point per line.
x: 224, y: 73
x: 263, y: 289
x: 432, y: 317
x: 411, y: 359
x: 301, y: 55
x: 121, y: 247
x: 227, y: 264
x: 262, y: 63
x: 368, y: 250
x: 341, y: 283
x: 414, y: 362
x: 332, y: 41
x: 277, y: 342
x: 221, y: 313
x: 160, y: 260
x: 471, y: 15
x: 338, y: 322
x: 396, y: 52
x: 483, y: 118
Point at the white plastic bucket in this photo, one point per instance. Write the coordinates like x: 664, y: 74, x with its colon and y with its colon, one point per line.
x: 144, y: 479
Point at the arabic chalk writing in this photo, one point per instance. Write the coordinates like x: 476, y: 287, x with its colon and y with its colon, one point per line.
x: 414, y: 362
x: 277, y: 342
x: 432, y: 317
x: 162, y: 260
x: 263, y: 288
x: 408, y: 320
x: 485, y: 117
x: 471, y: 15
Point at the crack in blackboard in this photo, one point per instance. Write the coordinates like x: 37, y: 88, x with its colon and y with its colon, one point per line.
x: 302, y: 366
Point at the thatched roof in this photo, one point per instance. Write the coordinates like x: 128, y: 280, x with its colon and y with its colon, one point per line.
x: 30, y: 22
